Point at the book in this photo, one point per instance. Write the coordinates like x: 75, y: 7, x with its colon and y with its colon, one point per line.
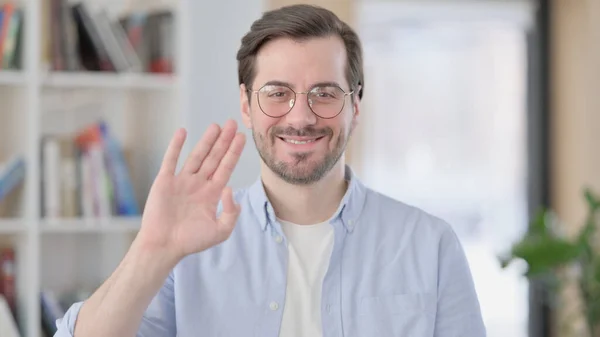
x: 86, y: 174
x: 83, y: 38
x: 12, y: 173
x: 11, y: 27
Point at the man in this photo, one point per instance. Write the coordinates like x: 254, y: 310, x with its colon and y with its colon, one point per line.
x: 307, y: 250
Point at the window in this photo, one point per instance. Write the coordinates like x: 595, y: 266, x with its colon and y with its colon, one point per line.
x: 443, y: 127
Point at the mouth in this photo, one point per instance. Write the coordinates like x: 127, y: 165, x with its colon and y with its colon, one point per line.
x: 300, y: 140
x: 301, y: 144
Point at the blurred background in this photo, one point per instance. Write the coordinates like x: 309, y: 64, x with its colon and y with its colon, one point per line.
x: 482, y: 112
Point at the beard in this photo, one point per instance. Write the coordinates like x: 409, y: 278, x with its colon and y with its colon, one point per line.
x: 303, y: 170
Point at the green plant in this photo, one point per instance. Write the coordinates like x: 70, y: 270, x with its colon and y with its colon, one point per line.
x: 546, y: 251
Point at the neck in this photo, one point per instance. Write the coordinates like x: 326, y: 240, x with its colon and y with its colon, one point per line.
x: 306, y: 204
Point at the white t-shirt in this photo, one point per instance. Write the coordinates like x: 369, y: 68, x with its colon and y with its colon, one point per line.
x: 310, y: 248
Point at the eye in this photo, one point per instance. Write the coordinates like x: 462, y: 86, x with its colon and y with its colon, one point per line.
x: 276, y: 94
x: 324, y: 95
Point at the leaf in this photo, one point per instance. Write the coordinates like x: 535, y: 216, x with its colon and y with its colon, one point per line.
x: 586, y: 236
x: 544, y: 254
x: 596, y: 270
x: 593, y: 311
x: 538, y: 224
x: 587, y: 231
x: 592, y: 201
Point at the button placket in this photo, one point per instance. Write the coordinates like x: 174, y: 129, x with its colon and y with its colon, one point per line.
x: 275, y: 296
x: 332, y: 290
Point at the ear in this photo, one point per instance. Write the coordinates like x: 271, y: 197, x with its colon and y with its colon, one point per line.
x: 355, y: 110
x: 245, y: 106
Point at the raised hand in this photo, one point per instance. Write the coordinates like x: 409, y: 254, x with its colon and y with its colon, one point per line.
x: 180, y: 213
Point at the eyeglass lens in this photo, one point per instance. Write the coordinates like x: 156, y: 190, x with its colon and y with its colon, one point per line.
x: 324, y: 101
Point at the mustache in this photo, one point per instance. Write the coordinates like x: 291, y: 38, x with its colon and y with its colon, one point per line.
x: 304, y: 132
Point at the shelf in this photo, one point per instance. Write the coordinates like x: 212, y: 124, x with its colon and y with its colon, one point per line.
x: 90, y: 80
x: 12, y: 226
x: 11, y: 77
x: 92, y: 225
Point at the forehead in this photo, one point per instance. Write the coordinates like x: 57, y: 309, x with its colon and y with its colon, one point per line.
x: 302, y: 63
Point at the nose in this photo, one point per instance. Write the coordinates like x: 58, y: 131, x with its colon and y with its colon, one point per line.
x: 301, y: 115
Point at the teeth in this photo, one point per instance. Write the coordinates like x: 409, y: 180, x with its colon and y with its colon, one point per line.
x: 299, y: 141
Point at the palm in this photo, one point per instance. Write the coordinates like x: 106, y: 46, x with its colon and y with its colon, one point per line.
x: 188, y: 212
x: 181, y: 210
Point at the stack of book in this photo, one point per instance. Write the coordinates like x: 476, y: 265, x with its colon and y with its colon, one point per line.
x: 11, y: 32
x: 79, y: 38
x: 86, y: 175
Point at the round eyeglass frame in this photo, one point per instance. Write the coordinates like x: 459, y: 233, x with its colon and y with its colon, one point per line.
x: 295, y: 97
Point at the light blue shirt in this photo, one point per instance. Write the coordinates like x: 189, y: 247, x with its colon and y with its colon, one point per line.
x: 394, y: 271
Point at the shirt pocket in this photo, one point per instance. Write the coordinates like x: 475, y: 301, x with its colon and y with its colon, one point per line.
x: 405, y: 315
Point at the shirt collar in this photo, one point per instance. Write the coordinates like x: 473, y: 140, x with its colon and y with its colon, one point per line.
x: 348, y: 211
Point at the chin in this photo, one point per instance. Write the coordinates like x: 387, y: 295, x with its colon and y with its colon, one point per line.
x: 299, y: 164
x: 299, y: 177
x: 301, y: 170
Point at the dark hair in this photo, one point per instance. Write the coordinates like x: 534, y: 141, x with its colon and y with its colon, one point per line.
x: 300, y: 22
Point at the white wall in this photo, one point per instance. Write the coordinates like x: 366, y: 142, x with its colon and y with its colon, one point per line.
x: 213, y: 95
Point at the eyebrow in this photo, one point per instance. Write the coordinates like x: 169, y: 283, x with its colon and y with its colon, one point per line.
x: 279, y: 83
x: 318, y: 84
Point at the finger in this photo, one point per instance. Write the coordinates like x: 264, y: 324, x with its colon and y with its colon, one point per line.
x: 202, y: 148
x: 229, y: 161
x: 229, y: 215
x: 169, y: 163
x: 210, y: 163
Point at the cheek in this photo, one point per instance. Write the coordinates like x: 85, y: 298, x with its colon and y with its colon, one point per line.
x: 260, y: 122
x: 340, y: 127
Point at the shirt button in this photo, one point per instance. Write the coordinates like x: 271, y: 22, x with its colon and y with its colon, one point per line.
x: 274, y: 306
x: 278, y: 239
x: 328, y: 308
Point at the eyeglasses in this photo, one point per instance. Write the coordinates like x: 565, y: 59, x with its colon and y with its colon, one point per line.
x: 325, y: 101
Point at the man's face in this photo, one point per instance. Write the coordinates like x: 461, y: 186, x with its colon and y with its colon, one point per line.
x: 299, y: 146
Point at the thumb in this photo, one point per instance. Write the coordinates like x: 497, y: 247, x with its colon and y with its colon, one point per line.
x: 230, y: 213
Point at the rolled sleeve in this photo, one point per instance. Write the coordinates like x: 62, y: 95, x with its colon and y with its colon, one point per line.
x: 66, y: 324
x: 158, y: 319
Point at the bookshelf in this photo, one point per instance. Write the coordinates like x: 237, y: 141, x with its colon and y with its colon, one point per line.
x: 44, y: 99
x: 12, y: 226
x: 11, y: 78
x: 108, y: 81
x: 108, y: 225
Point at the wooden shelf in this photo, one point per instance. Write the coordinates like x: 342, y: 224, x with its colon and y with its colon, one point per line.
x: 92, y: 225
x: 12, y: 226
x: 11, y: 77
x: 90, y: 80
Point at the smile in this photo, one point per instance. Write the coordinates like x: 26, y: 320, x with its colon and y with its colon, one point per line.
x: 300, y: 140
